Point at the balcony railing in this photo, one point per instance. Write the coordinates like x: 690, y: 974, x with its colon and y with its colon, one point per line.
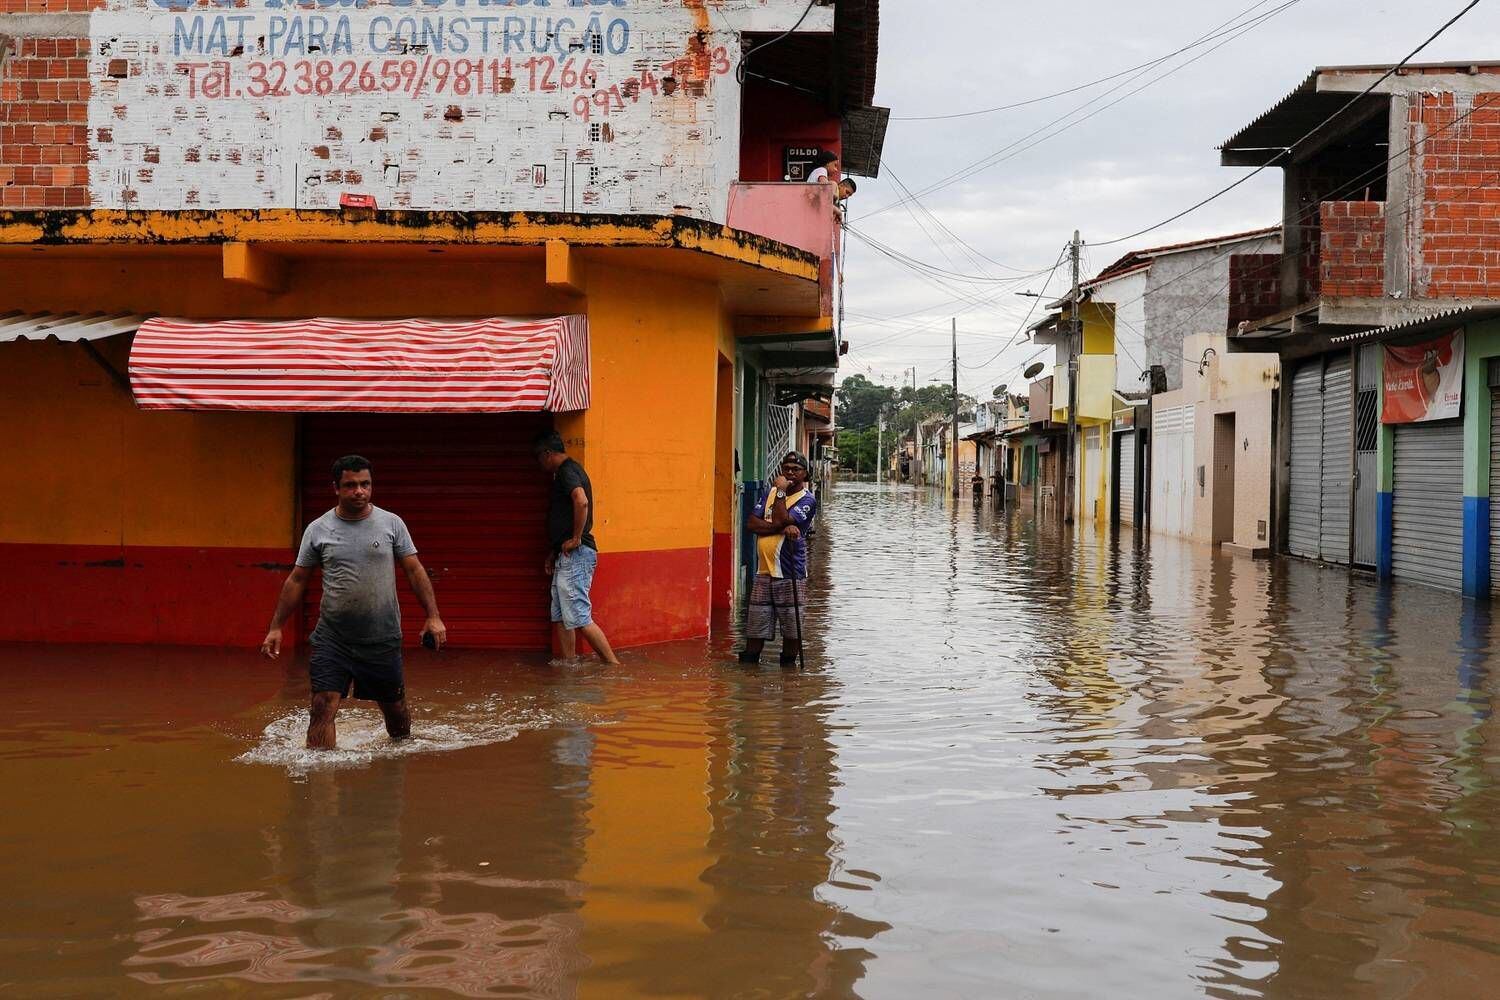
x: 799, y: 215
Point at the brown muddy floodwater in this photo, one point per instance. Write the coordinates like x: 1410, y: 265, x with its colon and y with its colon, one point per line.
x: 1012, y: 769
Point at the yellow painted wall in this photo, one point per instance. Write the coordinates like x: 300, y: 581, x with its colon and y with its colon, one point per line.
x: 649, y: 829
x: 648, y: 438
x: 83, y: 466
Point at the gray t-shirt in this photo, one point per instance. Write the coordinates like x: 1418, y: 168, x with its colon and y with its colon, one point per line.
x: 359, y: 611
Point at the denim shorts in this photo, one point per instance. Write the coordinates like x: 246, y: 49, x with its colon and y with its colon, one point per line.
x: 572, y: 575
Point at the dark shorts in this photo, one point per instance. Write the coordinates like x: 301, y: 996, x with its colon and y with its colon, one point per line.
x: 370, y: 677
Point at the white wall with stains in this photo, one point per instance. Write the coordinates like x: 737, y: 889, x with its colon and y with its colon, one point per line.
x: 599, y: 106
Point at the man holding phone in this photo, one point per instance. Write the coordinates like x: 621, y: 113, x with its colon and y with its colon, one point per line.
x: 357, y: 642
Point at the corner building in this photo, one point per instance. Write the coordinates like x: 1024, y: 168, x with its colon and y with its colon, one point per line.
x: 206, y: 296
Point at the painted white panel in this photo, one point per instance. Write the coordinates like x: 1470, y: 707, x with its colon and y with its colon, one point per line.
x: 626, y: 106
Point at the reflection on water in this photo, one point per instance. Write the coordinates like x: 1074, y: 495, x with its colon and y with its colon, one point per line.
x: 1019, y: 764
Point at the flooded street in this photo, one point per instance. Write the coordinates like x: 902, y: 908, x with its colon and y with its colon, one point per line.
x: 1013, y: 768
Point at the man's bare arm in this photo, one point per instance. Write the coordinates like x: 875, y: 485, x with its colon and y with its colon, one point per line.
x: 580, y: 518
x: 289, y: 601
x: 421, y: 585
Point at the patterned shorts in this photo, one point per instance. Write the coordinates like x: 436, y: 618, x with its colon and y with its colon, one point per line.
x: 774, y: 601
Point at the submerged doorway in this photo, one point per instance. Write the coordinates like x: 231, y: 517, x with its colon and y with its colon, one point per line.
x: 471, y: 493
x: 1223, y: 505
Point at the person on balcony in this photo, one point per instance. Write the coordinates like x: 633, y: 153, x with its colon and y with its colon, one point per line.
x: 825, y: 169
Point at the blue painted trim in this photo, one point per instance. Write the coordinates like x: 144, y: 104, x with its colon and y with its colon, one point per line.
x: 1476, y: 546
x: 1385, y: 519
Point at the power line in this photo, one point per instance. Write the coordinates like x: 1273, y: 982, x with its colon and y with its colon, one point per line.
x: 1011, y: 150
x: 1285, y: 153
x: 1202, y: 40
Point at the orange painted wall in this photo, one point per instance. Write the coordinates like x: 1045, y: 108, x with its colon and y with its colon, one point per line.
x: 83, y: 466
x: 86, y: 468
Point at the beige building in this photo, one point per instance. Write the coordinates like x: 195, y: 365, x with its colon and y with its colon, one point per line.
x: 1211, y: 449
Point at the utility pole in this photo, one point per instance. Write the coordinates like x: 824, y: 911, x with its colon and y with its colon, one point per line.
x: 880, y: 462
x: 953, y: 460
x: 1075, y: 348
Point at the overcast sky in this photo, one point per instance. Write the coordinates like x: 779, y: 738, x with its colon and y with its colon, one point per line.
x: 1127, y: 167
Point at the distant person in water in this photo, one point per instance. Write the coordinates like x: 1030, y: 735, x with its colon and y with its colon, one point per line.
x: 356, y: 646
x: 572, y: 553
x: 781, y: 522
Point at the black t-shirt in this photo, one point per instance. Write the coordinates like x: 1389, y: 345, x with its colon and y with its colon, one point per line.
x: 568, y: 477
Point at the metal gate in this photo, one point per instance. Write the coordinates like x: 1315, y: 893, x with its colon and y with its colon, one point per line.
x: 1125, y: 482
x: 1306, y: 460
x: 1366, y: 461
x: 1172, y: 469
x: 1322, y: 460
x: 1338, y: 460
x: 468, y: 487
x: 1427, y: 539
x: 781, y: 423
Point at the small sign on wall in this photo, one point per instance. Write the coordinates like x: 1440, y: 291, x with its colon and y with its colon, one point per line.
x: 798, y: 162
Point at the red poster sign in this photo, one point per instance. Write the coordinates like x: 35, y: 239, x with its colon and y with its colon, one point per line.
x: 1423, y: 381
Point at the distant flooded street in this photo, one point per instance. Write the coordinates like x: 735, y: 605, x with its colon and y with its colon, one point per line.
x: 1015, y: 767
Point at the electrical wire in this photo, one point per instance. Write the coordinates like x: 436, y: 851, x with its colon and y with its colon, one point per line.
x: 740, y: 68
x: 1285, y: 153
x: 1202, y: 40
x: 1021, y: 145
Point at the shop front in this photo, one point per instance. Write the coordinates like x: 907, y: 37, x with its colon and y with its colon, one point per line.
x: 173, y: 412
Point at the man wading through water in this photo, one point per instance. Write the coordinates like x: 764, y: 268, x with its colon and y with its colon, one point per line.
x: 783, y: 517
x: 357, y: 644
x: 572, y: 555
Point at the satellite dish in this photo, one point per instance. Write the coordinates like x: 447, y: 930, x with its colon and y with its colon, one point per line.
x: 1035, y: 370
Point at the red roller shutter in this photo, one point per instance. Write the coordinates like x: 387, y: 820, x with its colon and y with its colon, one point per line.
x: 475, y: 500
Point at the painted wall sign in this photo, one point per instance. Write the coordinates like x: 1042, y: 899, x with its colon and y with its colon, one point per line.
x: 627, y: 106
x: 1423, y: 381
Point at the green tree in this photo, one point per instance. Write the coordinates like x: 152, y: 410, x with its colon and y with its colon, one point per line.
x: 859, y: 402
x: 857, y: 449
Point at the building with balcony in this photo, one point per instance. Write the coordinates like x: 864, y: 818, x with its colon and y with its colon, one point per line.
x: 1377, y: 307
x: 228, y: 257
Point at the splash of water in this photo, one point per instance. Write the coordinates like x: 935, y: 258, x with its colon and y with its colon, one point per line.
x: 362, y: 738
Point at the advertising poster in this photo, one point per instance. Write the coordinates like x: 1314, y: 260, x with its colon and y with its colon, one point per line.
x: 1424, y: 381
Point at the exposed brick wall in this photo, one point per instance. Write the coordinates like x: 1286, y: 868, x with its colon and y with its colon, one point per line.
x: 1458, y: 174
x: 1352, y: 248
x: 44, y: 135
x: 1254, y: 287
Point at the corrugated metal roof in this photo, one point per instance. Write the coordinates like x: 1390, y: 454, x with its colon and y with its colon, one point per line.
x: 1468, y: 313
x: 68, y: 327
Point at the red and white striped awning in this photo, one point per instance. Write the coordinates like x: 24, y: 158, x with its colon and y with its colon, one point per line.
x: 410, y: 366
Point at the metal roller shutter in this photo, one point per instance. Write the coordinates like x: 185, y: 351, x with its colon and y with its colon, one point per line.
x: 1428, y: 524
x: 1495, y: 490
x: 1338, y: 460
x: 1125, y: 488
x: 1306, y: 460
x: 470, y: 491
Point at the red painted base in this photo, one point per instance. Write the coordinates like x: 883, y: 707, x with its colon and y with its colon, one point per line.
x: 645, y: 597
x: 223, y: 597
x: 168, y: 595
